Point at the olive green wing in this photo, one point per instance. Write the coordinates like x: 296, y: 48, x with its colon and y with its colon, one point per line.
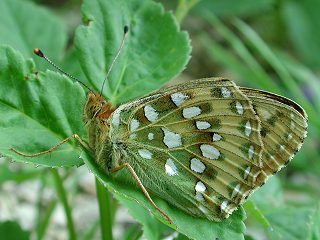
x: 283, y: 128
x: 196, y: 145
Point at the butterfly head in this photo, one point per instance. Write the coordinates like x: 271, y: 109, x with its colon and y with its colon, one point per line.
x: 97, y: 107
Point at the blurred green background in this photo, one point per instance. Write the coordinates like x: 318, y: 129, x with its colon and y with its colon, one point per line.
x: 272, y: 45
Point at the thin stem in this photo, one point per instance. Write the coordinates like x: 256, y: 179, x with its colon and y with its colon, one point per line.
x: 63, y: 198
x: 45, y: 220
x: 90, y: 232
x: 183, y: 8
x: 106, y: 217
x: 114, y: 207
x: 39, y: 201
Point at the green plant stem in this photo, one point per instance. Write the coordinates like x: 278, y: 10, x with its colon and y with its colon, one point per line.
x: 91, y: 231
x: 63, y: 198
x: 44, y: 221
x: 183, y: 8
x: 39, y: 205
x: 114, y: 206
x: 106, y: 217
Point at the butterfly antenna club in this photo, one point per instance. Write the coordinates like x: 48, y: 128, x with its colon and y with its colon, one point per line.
x: 39, y: 53
x: 125, y: 33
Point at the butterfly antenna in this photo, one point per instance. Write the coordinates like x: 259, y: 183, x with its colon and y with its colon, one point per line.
x: 39, y: 53
x: 125, y: 31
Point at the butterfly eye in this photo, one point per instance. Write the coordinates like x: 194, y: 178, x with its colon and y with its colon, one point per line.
x: 102, y: 103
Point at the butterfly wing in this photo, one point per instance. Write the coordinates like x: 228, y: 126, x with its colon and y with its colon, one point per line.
x: 283, y: 128
x: 196, y: 145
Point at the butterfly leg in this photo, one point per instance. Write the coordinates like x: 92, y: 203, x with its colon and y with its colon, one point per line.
x: 145, y: 192
x: 73, y: 136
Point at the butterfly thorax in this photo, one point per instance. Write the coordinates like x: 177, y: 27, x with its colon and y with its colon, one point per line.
x: 96, y: 114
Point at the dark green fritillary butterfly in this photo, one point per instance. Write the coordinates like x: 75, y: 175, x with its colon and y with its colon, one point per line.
x: 203, y: 146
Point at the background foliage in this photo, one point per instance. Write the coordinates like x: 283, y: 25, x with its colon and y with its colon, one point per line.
x: 268, y: 44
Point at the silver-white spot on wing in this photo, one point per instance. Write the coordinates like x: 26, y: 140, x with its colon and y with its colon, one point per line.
x: 200, y: 187
x: 116, y: 119
x: 247, y: 172
x: 144, y: 153
x: 247, y: 129
x: 224, y: 205
x: 134, y: 124
x: 197, y: 166
x: 170, y: 168
x: 171, y: 139
x: 199, y: 197
x: 239, y: 108
x: 202, y: 125
x: 191, y: 112
x: 209, y: 151
x: 235, y: 191
x: 225, y: 92
x: 251, y: 152
x: 179, y: 98
x: 216, y: 137
x: 150, y: 136
x: 281, y: 147
x: 150, y: 113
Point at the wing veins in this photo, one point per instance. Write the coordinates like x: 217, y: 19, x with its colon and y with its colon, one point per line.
x: 201, y: 157
x: 202, y: 180
x: 180, y: 107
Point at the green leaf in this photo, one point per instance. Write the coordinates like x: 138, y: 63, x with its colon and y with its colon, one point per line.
x: 152, y: 228
x: 269, y: 194
x: 290, y: 223
x: 315, y: 221
x: 305, y: 77
x: 154, y: 52
x: 246, y: 237
x: 184, y: 6
x: 17, y: 175
x: 38, y: 111
x: 286, y: 222
x: 303, y: 23
x: 234, y: 8
x: 25, y: 25
x: 44, y: 218
x: 136, y: 202
x: 134, y: 232
x: 254, y: 214
x: 10, y: 230
x: 71, y: 64
x: 244, y: 63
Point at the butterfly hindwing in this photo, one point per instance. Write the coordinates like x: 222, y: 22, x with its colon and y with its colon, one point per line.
x: 283, y: 128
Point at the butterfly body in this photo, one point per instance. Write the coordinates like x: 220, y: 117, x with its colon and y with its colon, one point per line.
x: 203, y: 146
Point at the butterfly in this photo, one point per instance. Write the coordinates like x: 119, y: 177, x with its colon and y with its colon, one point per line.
x: 203, y: 146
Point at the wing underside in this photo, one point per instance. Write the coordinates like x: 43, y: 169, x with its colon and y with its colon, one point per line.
x: 204, y: 146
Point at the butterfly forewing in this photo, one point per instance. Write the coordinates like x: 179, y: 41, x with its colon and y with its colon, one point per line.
x: 197, y: 145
